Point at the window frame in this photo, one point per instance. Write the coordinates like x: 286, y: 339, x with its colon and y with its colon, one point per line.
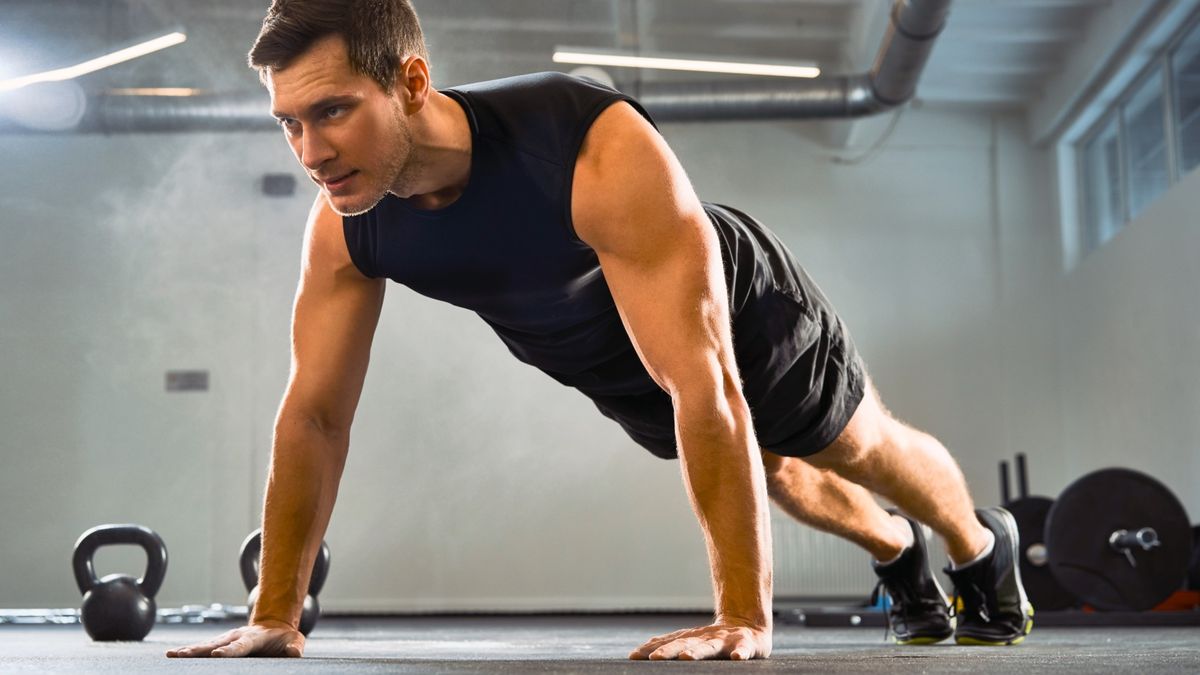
x: 1088, y: 225
x: 1191, y: 28
x: 1164, y: 62
x: 1122, y: 109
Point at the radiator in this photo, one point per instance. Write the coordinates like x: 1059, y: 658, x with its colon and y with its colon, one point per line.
x: 814, y: 565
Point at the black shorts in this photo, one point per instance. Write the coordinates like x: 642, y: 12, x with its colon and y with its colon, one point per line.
x: 820, y: 410
x: 801, y: 374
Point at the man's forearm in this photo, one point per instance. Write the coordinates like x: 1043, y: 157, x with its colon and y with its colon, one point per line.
x: 306, y: 466
x: 723, y: 474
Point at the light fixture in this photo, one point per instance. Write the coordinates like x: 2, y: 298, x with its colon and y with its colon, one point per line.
x: 595, y: 58
x: 92, y: 65
x: 155, y: 91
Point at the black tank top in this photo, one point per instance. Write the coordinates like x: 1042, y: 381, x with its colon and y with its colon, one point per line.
x: 507, y: 250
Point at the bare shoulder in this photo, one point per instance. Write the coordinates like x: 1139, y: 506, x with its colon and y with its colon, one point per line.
x: 325, y: 239
x: 619, y: 123
x: 627, y: 173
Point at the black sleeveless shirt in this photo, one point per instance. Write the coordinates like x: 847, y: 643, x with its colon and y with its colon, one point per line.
x: 507, y: 250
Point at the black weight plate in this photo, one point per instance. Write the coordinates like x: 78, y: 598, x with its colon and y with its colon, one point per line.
x: 1193, y: 579
x: 1086, y: 514
x: 1043, y: 589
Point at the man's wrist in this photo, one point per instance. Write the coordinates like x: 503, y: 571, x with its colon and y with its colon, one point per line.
x: 271, y: 621
x: 754, y: 619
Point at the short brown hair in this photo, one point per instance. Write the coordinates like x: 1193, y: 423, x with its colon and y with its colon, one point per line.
x: 379, y: 34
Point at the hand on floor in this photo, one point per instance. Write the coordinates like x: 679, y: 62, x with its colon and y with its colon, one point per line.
x: 718, y: 641
x: 269, y: 639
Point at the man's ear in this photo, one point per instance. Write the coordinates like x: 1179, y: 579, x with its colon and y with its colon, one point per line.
x: 413, y: 85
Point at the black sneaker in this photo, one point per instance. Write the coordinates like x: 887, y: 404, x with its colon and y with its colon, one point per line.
x: 918, y: 613
x: 990, y: 601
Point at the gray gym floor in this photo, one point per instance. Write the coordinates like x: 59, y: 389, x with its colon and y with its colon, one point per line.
x: 593, y: 644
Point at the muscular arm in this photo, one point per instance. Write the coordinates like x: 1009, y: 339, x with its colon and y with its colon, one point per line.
x: 334, y: 318
x: 633, y: 204
x: 333, y: 321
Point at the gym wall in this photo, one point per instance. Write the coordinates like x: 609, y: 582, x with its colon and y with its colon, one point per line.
x: 1116, y: 339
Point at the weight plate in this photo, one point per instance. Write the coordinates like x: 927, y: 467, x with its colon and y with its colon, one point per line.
x: 1193, y: 579
x: 1043, y: 589
x: 1085, y: 516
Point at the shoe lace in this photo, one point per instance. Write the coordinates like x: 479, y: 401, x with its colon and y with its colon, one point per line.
x: 904, y: 600
x: 876, y: 593
x: 973, y: 599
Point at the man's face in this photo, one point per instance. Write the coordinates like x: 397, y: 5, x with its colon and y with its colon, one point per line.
x: 352, y: 138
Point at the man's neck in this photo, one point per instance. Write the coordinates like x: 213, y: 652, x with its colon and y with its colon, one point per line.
x: 442, y: 147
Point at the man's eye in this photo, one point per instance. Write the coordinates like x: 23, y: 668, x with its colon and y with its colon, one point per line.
x: 335, y: 111
x: 288, y: 124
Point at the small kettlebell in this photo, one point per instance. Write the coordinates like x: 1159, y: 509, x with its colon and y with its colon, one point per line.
x: 252, y: 549
x: 119, y: 607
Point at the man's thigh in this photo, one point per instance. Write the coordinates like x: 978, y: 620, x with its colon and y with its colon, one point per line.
x: 869, y: 427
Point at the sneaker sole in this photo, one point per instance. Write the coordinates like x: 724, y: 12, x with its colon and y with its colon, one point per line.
x: 924, y: 640
x: 980, y: 642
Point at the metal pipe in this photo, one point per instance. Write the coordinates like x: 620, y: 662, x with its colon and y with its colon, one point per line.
x: 906, y: 47
x: 832, y: 97
x: 114, y: 114
x: 892, y: 81
x: 249, y: 111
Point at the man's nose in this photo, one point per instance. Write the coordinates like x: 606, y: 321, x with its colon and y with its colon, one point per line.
x: 314, y: 151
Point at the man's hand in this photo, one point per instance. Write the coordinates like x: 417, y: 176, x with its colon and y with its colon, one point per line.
x: 718, y: 641
x: 270, y: 638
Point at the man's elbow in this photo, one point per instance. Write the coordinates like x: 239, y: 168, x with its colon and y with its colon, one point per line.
x: 312, y: 422
x: 711, y: 407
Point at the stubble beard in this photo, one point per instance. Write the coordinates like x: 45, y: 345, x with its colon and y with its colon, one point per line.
x: 398, y: 171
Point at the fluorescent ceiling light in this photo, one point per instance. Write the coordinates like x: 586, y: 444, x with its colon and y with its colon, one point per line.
x: 155, y: 91
x: 92, y: 65
x: 694, y: 65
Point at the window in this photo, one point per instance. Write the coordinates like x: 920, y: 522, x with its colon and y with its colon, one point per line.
x: 1146, y: 165
x: 1186, y: 69
x: 1103, y: 214
x: 1143, y: 142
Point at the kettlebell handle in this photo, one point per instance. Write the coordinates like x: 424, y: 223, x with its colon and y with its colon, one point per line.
x: 252, y: 549
x: 84, y: 565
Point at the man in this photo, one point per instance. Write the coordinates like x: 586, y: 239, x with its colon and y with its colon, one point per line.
x: 552, y: 208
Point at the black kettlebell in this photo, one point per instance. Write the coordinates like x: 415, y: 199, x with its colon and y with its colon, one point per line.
x: 119, y: 607
x: 252, y: 548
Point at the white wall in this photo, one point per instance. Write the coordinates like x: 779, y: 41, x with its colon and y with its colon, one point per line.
x: 1117, y: 339
x: 473, y: 482
x: 1099, y: 360
x: 122, y: 258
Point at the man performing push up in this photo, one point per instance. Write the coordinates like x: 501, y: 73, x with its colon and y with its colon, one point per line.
x: 552, y: 207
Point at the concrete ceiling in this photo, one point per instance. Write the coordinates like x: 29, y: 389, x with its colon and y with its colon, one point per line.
x: 994, y: 53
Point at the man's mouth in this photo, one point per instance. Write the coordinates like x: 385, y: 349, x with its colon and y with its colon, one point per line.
x: 338, y: 181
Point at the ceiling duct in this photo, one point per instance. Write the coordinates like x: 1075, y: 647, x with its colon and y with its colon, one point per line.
x: 121, y: 113
x: 249, y: 111
x: 892, y: 81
